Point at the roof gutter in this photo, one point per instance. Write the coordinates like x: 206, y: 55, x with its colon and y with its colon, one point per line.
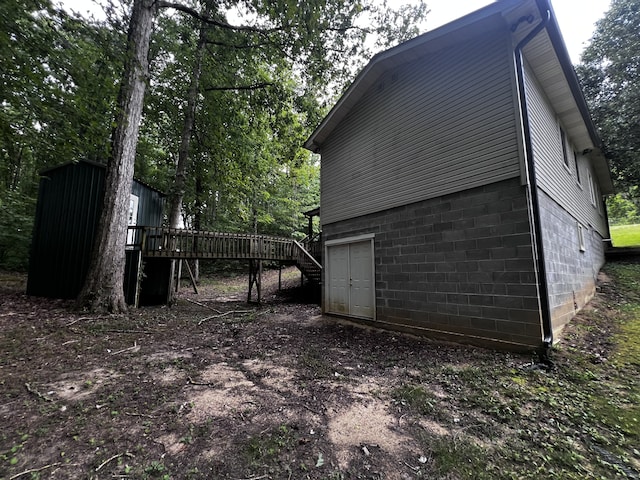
x: 545, y: 308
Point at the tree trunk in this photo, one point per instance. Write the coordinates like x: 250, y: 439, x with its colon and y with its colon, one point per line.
x: 103, y: 287
x: 187, y: 130
x: 197, y: 217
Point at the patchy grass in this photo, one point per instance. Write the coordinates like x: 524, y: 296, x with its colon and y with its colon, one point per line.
x: 416, y: 397
x: 627, y: 351
x: 269, y: 447
x: 625, y: 235
x: 279, y: 392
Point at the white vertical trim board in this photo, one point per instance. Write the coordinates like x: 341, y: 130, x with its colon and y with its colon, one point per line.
x: 342, y: 241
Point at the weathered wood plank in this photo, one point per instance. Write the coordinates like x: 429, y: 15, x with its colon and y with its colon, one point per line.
x: 192, y: 244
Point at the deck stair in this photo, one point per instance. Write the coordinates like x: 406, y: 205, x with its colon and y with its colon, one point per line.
x: 306, y: 263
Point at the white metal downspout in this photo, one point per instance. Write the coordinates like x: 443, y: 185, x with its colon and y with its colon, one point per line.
x: 545, y: 308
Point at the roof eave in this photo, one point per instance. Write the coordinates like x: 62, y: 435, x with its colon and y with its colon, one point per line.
x: 598, y: 159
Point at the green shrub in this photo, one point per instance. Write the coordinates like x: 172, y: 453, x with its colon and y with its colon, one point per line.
x: 16, y: 225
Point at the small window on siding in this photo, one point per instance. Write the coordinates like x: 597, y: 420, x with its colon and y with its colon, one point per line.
x: 565, y: 153
x: 581, y: 238
x: 575, y: 161
x: 592, y: 192
x: 598, y: 197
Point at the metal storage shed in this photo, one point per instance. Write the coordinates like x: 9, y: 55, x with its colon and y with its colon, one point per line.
x: 69, y: 204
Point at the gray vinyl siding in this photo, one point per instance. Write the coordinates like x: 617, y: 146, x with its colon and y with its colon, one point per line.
x: 556, y: 179
x: 438, y: 125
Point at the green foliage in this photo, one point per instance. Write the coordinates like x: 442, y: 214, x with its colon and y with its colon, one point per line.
x: 624, y: 218
x: 610, y: 74
x: 415, y: 397
x: 628, y: 349
x: 10, y: 456
x: 56, y: 101
x: 621, y: 209
x: 461, y: 458
x: 268, y: 447
x: 260, y: 95
x: 156, y: 469
x: 55, y: 105
x: 16, y: 225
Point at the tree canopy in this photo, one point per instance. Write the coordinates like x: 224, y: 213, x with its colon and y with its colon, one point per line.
x: 610, y: 75
x: 267, y: 72
x: 57, y: 94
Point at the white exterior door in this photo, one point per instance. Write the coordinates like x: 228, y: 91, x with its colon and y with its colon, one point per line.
x: 339, y: 279
x: 350, y: 278
x: 132, y: 219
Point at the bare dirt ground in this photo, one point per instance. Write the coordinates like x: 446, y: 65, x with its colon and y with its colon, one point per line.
x: 215, y: 388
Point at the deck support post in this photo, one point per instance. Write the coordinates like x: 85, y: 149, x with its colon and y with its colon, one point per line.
x: 170, y: 291
x: 255, y: 278
x: 191, y: 276
x: 139, y: 275
x: 179, y: 276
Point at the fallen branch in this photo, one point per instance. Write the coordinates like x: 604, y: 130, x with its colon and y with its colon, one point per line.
x: 34, y: 470
x: 256, y: 478
x: 136, y: 414
x: 415, y: 469
x: 144, y: 332
x: 223, y: 315
x: 113, y: 458
x: 135, y: 346
x: 191, y: 382
x: 203, y: 305
x: 77, y: 320
x: 37, y: 393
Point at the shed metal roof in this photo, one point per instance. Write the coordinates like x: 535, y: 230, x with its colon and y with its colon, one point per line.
x: 43, y: 173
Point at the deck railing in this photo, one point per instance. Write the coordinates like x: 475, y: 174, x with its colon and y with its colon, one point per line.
x: 313, y: 245
x: 306, y: 262
x: 180, y: 243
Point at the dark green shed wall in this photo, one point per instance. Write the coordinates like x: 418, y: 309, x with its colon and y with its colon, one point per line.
x: 150, y: 206
x: 67, y: 212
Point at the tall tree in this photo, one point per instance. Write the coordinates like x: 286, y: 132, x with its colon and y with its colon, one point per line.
x: 103, y: 288
x: 610, y: 74
x: 177, y: 193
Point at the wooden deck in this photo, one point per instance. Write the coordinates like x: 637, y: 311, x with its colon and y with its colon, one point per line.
x: 181, y: 244
x: 193, y: 244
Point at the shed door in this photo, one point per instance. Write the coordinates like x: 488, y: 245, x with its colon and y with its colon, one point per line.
x: 350, y: 283
x: 132, y: 220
